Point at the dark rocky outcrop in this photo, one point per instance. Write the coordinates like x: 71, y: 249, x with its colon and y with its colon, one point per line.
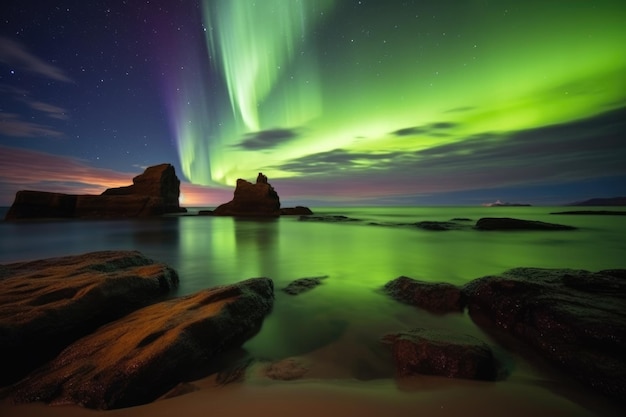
x: 436, y: 297
x: 296, y: 211
x: 574, y: 318
x: 437, y: 226
x: 442, y: 353
x: 507, y: 223
x: 256, y: 200
x: 47, y: 304
x: 152, y: 193
x: 138, y: 358
x: 301, y: 285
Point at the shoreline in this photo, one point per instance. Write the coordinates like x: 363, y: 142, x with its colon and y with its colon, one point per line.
x: 430, y: 396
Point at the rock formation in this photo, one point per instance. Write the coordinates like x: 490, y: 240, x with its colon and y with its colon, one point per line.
x: 574, y: 318
x: 255, y: 200
x: 141, y: 356
x: 507, y: 223
x: 442, y: 353
x: 259, y: 199
x: 436, y: 297
x: 47, y: 304
x: 301, y: 285
x: 154, y: 192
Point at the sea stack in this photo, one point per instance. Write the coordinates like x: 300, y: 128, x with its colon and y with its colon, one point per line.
x: 251, y: 200
x: 152, y: 193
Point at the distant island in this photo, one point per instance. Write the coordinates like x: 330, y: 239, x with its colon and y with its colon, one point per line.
x: 613, y: 201
x: 499, y: 203
x: 152, y: 193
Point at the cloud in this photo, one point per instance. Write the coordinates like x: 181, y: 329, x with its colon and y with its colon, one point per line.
x: 12, y: 125
x: 557, y: 154
x: 410, y: 131
x: 267, y: 139
x: 51, y: 110
x: 433, y: 129
x: 15, y: 54
x: 27, y: 169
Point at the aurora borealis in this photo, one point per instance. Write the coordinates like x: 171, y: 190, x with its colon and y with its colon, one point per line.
x: 373, y: 102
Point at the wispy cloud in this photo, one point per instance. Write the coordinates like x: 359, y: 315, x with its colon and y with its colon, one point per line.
x: 267, y: 139
x: 12, y: 125
x: 577, y: 151
x: 15, y: 54
x: 27, y: 169
x: 52, y: 111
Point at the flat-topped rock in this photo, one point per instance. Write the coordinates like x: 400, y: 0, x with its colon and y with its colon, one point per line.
x: 442, y: 353
x: 508, y: 223
x: 152, y: 193
x: 49, y: 303
x: 574, y: 318
x: 436, y: 297
x: 143, y: 355
x: 301, y: 285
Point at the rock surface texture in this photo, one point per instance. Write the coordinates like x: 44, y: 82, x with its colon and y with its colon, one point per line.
x: 442, y: 353
x: 255, y: 200
x: 47, y: 304
x: 301, y: 285
x: 259, y: 199
x: 154, y: 192
x: 436, y: 297
x: 141, y: 356
x: 574, y: 318
x: 507, y: 223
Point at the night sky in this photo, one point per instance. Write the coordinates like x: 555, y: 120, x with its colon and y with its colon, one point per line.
x: 337, y: 102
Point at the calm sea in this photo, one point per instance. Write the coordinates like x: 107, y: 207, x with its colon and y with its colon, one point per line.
x: 339, y: 324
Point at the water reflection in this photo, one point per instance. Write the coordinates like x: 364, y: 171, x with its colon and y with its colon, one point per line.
x: 256, y: 244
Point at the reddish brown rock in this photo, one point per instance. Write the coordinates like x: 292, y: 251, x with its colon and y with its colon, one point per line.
x: 436, y: 297
x: 47, y: 304
x: 159, y: 182
x: 574, y: 318
x: 442, y: 353
x: 154, y: 192
x: 140, y: 357
x: 256, y: 200
x: 296, y: 211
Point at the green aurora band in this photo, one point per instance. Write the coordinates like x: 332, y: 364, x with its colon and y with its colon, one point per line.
x: 304, y: 77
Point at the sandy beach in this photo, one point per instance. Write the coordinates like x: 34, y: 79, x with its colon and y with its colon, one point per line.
x: 326, y: 391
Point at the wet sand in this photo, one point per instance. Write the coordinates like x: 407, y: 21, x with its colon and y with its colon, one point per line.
x: 343, y: 398
x: 523, y: 394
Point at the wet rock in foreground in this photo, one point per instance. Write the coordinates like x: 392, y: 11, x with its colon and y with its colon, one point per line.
x: 301, y: 285
x: 508, y: 223
x: 574, y: 318
x: 140, y: 357
x: 436, y: 297
x: 442, y: 353
x: 47, y: 304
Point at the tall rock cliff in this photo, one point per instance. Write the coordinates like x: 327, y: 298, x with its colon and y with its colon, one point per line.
x: 256, y: 200
x: 152, y: 193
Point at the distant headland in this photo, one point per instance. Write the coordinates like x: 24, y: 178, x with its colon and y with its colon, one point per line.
x: 152, y: 193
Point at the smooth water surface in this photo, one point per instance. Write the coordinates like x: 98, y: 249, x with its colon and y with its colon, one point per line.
x: 338, y: 325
